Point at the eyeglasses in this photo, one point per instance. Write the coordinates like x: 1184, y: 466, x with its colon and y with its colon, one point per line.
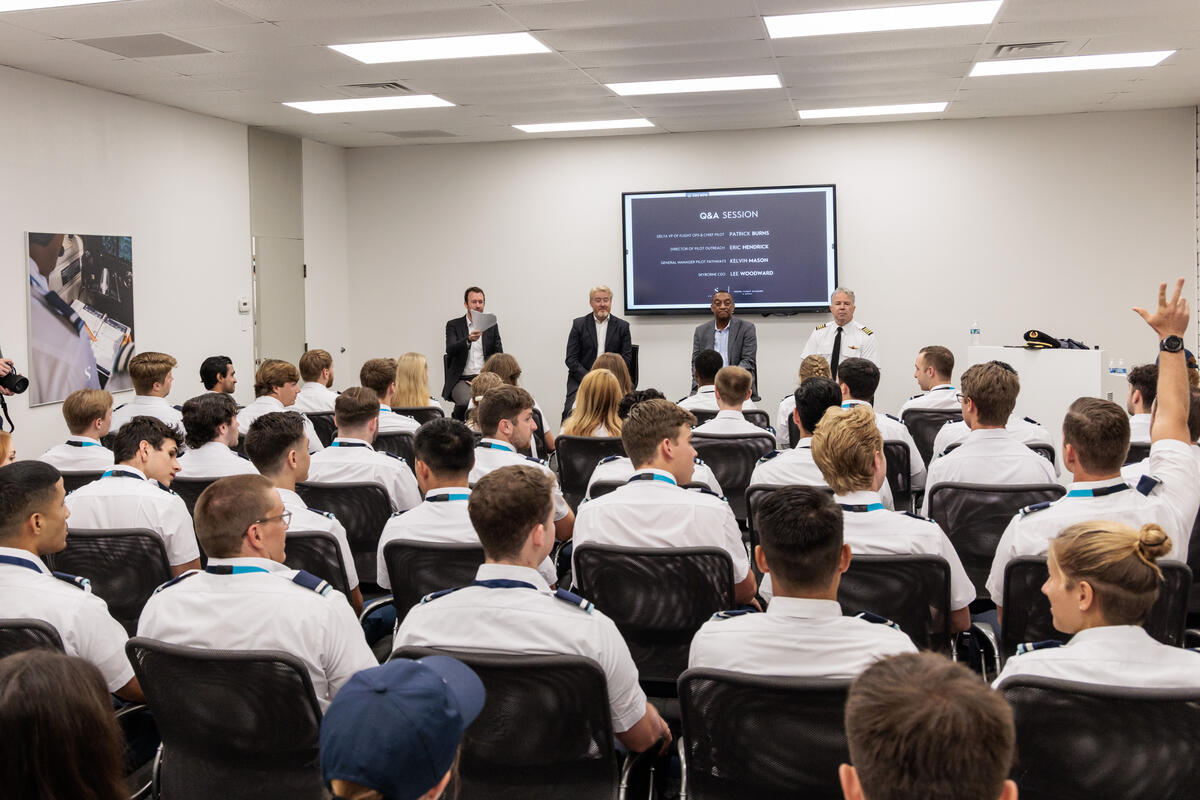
x: 962, y: 398
x: 285, y: 518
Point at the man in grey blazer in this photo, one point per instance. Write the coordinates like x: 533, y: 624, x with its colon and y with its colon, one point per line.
x: 734, y: 339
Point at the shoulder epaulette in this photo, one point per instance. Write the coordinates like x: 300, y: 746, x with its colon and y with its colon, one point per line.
x: 822, y: 325
x: 1032, y: 421
x: 1035, y: 507
x: 574, y: 599
x: 916, y: 516
x: 915, y: 396
x: 310, y: 581
x: 608, y: 459
x: 867, y: 331
x: 680, y: 400
x: 241, y: 455
x: 734, y: 612
x: 166, y: 488
x: 698, y: 461
x: 177, y: 579
x: 890, y: 416
x: 706, y: 490
x: 1147, y: 484
x: 1029, y: 647
x: 535, y: 460
x: 393, y: 455
x: 118, y: 408
x: 876, y: 619
x: 436, y: 595
x: 77, y: 581
x: 769, y: 456
x: 322, y: 512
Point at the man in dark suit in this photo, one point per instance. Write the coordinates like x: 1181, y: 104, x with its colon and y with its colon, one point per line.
x: 734, y: 339
x: 466, y: 350
x: 583, y: 344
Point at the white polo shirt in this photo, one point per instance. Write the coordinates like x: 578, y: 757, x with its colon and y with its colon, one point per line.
x: 268, y: 404
x: 492, y: 454
x: 1114, y: 655
x: 78, y: 454
x: 144, y: 405
x: 213, y: 460
x: 1023, y: 429
x: 315, y: 398
x: 620, y: 468
x: 312, y: 519
x: 942, y: 397
x: 1139, y: 429
x: 991, y: 457
x: 391, y: 422
x: 349, y: 460
x: 729, y: 422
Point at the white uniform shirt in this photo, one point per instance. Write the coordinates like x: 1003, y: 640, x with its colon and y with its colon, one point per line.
x: 268, y: 404
x: 439, y: 521
x: 705, y: 399
x: 315, y: 398
x: 1115, y: 655
x: 213, y: 460
x: 144, y: 405
x: 312, y: 519
x: 29, y: 590
x: 474, y: 352
x: 992, y: 457
x: 493, y: 454
x: 528, y: 621
x: 1172, y: 504
x: 654, y: 512
x: 349, y: 460
x: 942, y: 397
x: 783, y: 432
x: 262, y: 609
x: 1132, y: 473
x: 61, y: 356
x: 857, y: 342
x: 78, y: 454
x: 1025, y: 430
x: 893, y: 430
x: 795, y: 638
x: 620, y: 468
x: 796, y: 467
x: 1139, y: 429
x: 124, y: 498
x: 391, y: 422
x: 730, y: 422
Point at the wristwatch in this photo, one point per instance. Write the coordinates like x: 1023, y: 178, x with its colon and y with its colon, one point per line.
x: 1171, y: 344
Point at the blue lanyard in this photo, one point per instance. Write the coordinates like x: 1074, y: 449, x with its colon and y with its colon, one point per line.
x: 495, y: 446
x: 349, y: 444
x: 503, y: 583
x: 865, y: 507
x: 19, y: 562
x: 445, y: 498
x: 84, y: 444
x: 223, y: 569
x: 1120, y: 487
x: 652, y: 476
x: 114, y: 474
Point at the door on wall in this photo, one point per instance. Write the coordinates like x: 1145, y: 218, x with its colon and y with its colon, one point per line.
x: 278, y: 298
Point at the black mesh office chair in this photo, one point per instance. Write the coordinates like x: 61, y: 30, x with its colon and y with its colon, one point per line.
x: 732, y: 458
x: 362, y: 508
x: 190, y: 488
x: 401, y: 444
x: 1078, y: 740
x: 759, y: 417
x: 658, y: 599
x: 325, y: 426
x: 924, y: 424
x: 545, y: 730
x: 912, y: 591
x: 125, y: 566
x: 899, y: 473
x: 1138, y: 451
x: 317, y: 552
x: 703, y: 415
x: 1027, y: 616
x: 233, y: 724
x: 417, y: 568
x: 577, y: 457
x: 19, y: 635
x: 765, y: 738
x: 974, y: 518
x: 421, y: 414
x: 73, y: 480
x: 1046, y: 451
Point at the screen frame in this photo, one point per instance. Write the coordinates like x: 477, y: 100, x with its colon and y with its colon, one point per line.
x: 764, y: 310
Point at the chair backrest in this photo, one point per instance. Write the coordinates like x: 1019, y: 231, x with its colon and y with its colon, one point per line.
x: 73, y: 480
x: 759, y: 417
x: 899, y: 472
x: 577, y: 457
x: 753, y: 736
x: 912, y: 591
x: 362, y: 508
x: 125, y: 566
x: 189, y: 489
x: 317, y: 552
x: 1138, y: 451
x: 924, y: 423
x: 324, y: 425
x: 1046, y: 451
x: 421, y: 414
x: 1091, y: 740
x: 703, y: 415
x: 19, y: 635
x: 230, y: 720
x: 417, y: 568
x: 545, y: 730
x: 732, y: 458
x: 657, y: 597
x: 1027, y: 615
x: 403, y: 444
x: 974, y: 518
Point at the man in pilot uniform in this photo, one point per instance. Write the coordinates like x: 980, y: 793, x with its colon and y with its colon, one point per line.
x: 88, y: 413
x: 933, y: 368
x: 33, y: 523
x: 803, y: 633
x: 62, y: 357
x: 842, y: 338
x: 211, y: 423
x: 510, y: 608
x: 246, y: 599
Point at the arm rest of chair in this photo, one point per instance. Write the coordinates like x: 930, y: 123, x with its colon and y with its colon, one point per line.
x: 984, y: 638
x: 374, y: 605
x: 640, y: 761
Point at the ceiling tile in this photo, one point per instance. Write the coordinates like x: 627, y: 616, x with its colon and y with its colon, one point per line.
x: 127, y: 18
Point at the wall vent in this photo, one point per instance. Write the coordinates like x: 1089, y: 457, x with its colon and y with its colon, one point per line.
x: 1030, y: 50
x: 375, y: 89
x: 150, y: 45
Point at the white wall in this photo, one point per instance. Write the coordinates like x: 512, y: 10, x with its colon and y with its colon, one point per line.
x: 1061, y: 223
x: 85, y: 161
x: 326, y: 291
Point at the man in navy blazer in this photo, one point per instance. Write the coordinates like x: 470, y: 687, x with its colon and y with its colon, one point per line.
x: 734, y: 339
x: 583, y: 346
x: 466, y: 350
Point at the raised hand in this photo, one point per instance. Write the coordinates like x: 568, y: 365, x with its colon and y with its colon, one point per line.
x: 1171, y: 317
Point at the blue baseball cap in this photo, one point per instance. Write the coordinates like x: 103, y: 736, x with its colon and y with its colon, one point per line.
x: 395, y: 728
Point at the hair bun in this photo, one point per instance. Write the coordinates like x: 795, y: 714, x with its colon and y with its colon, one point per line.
x: 1153, y: 542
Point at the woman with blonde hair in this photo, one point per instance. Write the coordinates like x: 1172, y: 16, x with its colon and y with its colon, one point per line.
x: 412, y: 382
x: 1103, y: 581
x: 505, y: 365
x: 481, y: 384
x: 616, y: 365
x: 813, y: 366
x: 595, y: 412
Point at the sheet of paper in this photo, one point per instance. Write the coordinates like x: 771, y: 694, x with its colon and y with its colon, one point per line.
x: 481, y: 321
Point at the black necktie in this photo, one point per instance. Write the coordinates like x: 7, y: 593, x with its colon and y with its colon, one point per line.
x: 837, y: 353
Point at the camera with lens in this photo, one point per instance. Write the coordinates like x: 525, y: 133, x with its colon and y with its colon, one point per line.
x: 15, y: 382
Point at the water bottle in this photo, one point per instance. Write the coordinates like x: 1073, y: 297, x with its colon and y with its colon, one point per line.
x: 1121, y: 368
x: 976, y: 336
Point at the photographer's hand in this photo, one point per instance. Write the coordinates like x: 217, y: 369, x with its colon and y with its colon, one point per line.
x: 6, y: 366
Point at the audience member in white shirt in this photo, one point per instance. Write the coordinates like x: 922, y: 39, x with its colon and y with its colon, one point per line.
x: 933, y: 368
x: 316, y: 395
x: 1143, y: 380
x: 813, y: 366
x: 211, y: 423
x: 379, y: 374
x: 152, y: 376
x: 708, y: 364
x: 596, y: 403
x: 733, y: 387
x: 88, y: 413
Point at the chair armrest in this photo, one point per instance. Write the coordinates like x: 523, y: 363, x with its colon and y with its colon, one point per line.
x: 636, y: 761
x: 374, y: 605
x: 1191, y: 637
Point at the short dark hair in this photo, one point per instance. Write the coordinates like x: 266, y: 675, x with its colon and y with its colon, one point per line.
x: 474, y: 289
x: 213, y: 368
x: 505, y: 505
x: 356, y: 406
x: 1194, y: 415
x: 648, y: 424
x: 940, y: 358
x: 800, y: 531
x: 993, y: 387
x: 313, y: 362
x: 813, y: 398
x: 1099, y: 432
x: 226, y: 510
x: 378, y: 374
x: 271, y: 436
x: 921, y: 727
x: 26, y: 487
x: 861, y: 378
x: 631, y: 399
x: 503, y: 402
x: 203, y: 414
x: 151, y: 430
x: 446, y: 446
x: 1144, y: 378
x: 707, y: 364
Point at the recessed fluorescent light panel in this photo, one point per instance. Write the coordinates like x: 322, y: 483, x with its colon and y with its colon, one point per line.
x: 737, y: 83
x: 1025, y: 66
x: 896, y: 18
x: 28, y: 5
x: 596, y: 125
x: 371, y: 104
x: 874, y: 111
x: 495, y: 44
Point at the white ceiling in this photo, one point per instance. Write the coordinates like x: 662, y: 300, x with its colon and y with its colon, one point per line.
x: 265, y: 52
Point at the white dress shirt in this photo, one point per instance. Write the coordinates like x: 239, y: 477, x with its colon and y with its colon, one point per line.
x: 726, y: 422
x: 1139, y: 429
x: 783, y: 432
x: 213, y: 460
x: 144, y: 405
x: 620, y: 468
x: 990, y: 457
x: 78, y: 454
x: 942, y: 397
x: 1114, y: 655
x: 1023, y: 429
x: 857, y: 342
x: 492, y: 454
x: 474, y: 352
x: 391, y: 422
x: 705, y: 399
x: 314, y: 398
x: 601, y: 333
x: 313, y: 519
x: 267, y: 405
x: 349, y: 460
